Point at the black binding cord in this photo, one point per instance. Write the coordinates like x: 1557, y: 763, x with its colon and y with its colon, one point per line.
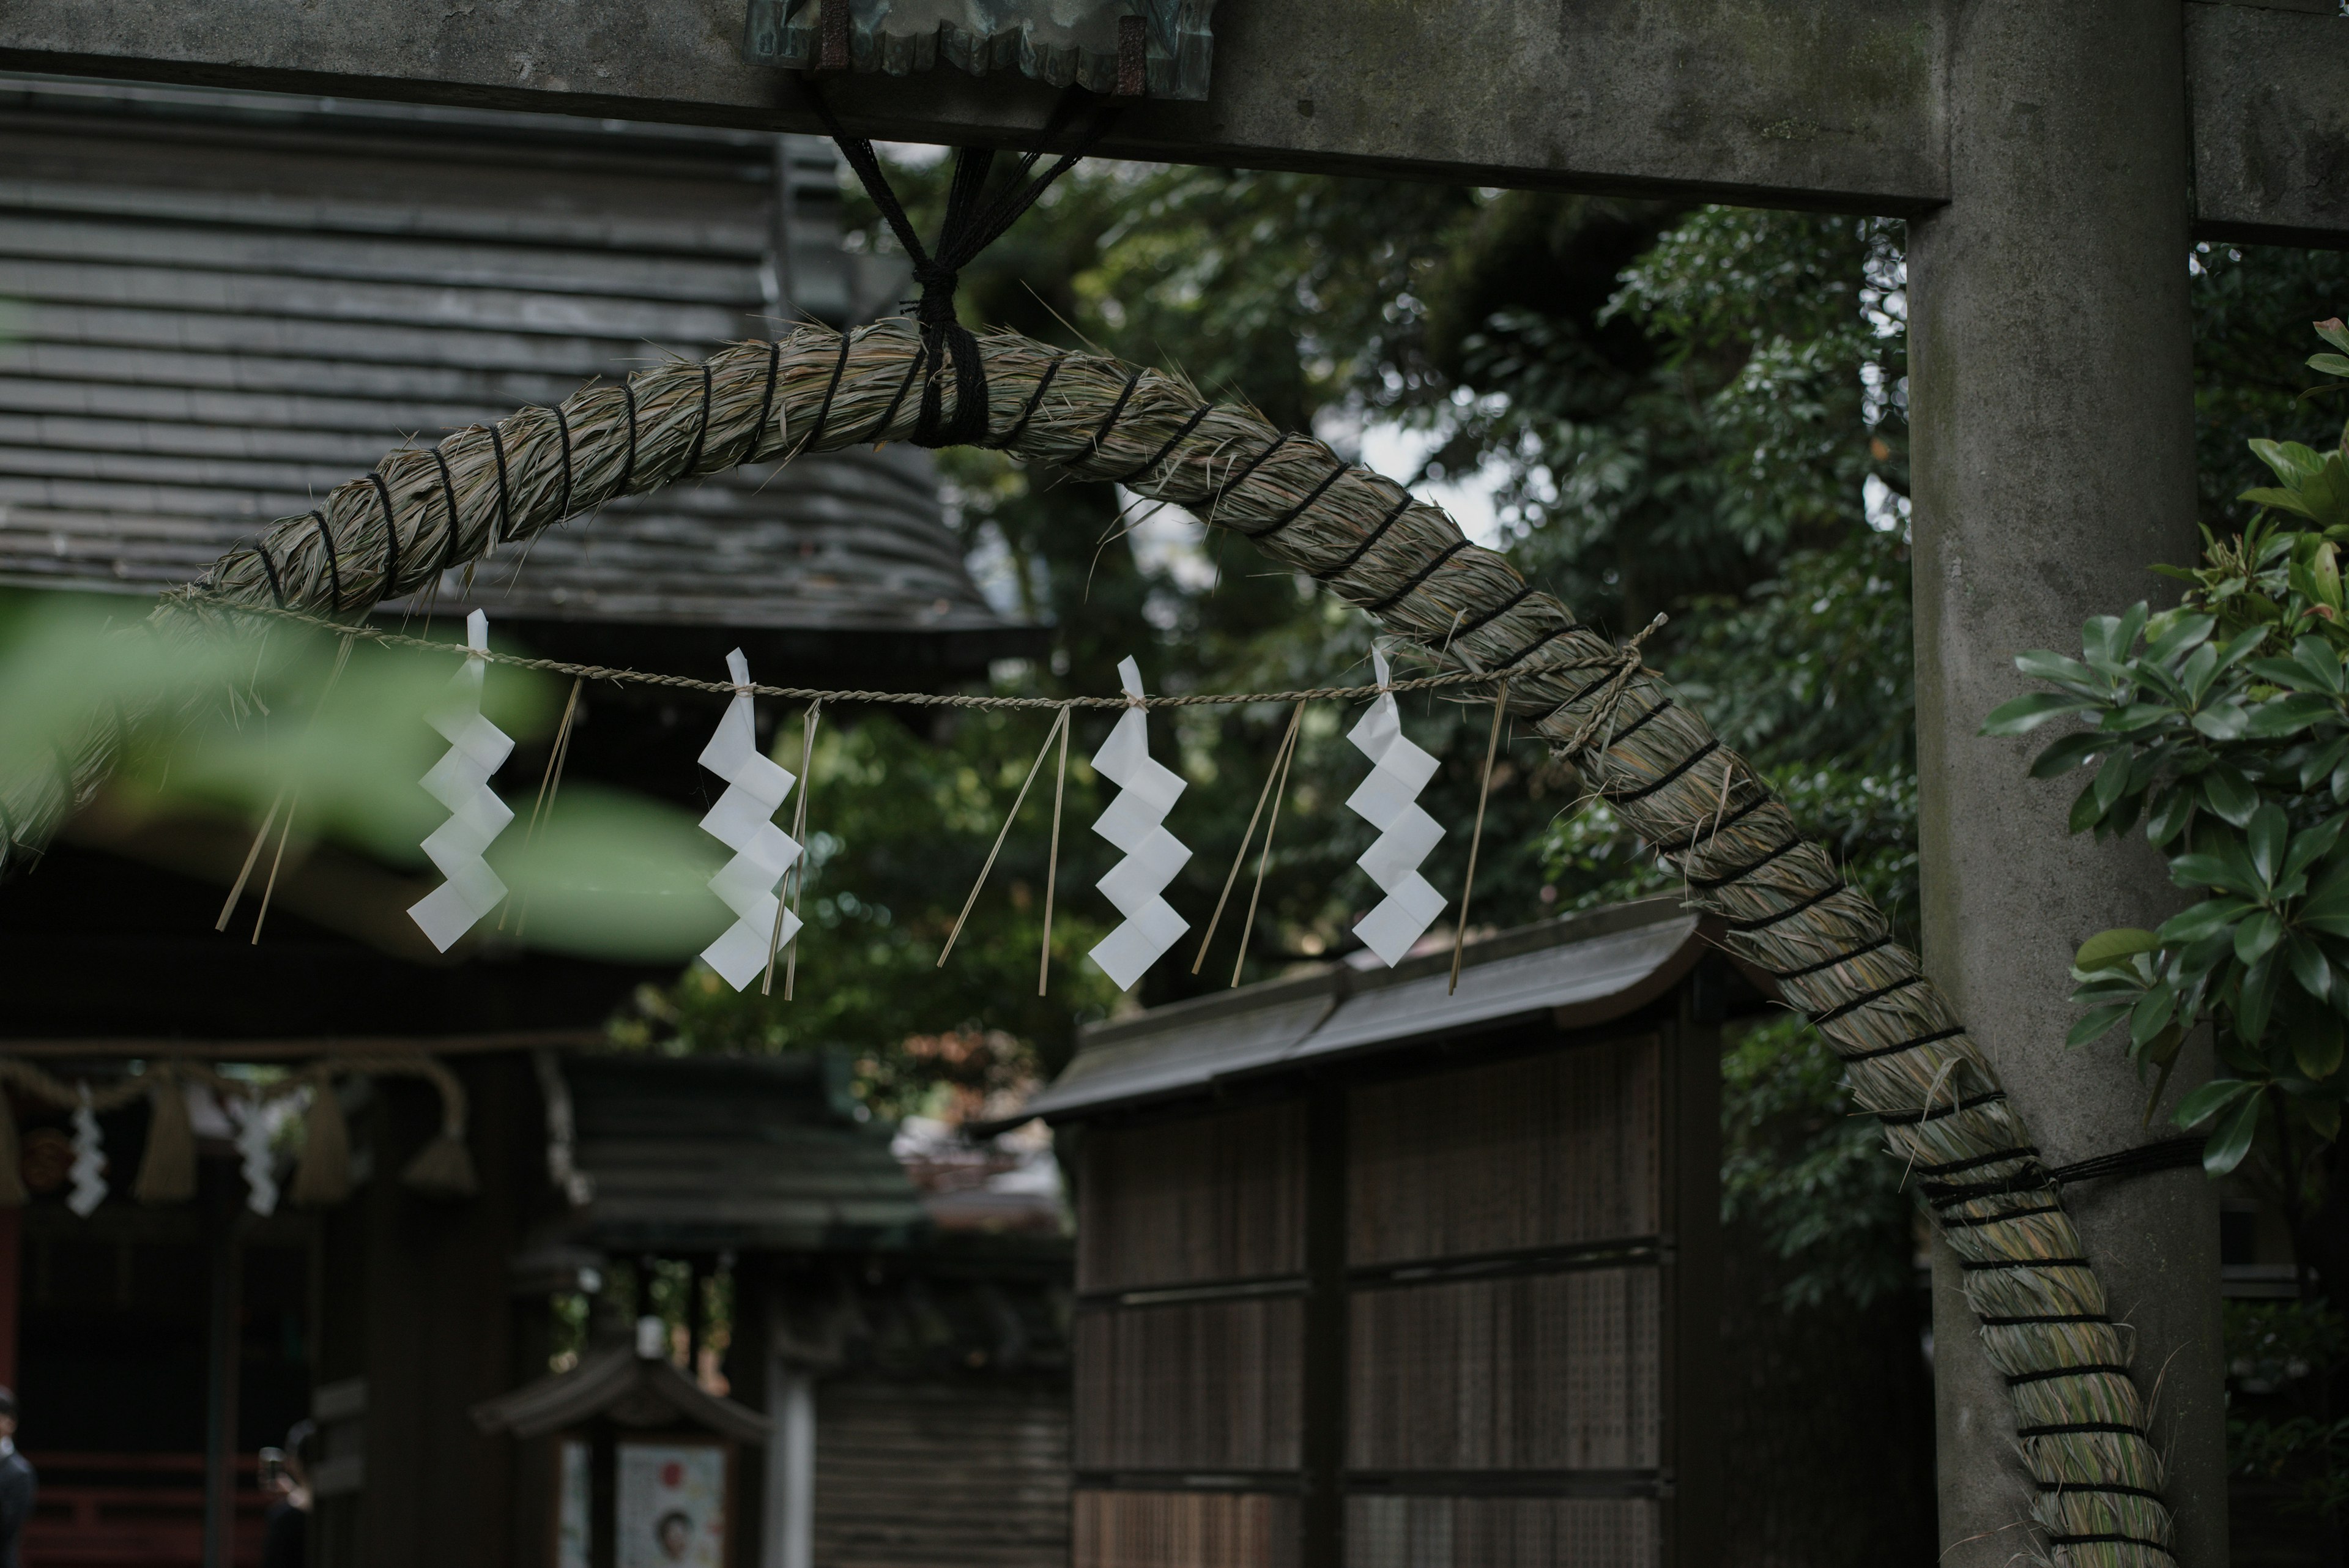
x: 448, y: 496
x: 1035, y: 401
x: 334, y: 567
x: 972, y: 222
x: 831, y: 390
x: 767, y: 398
x: 1411, y: 584
x: 701, y: 431
x: 1294, y: 512
x: 390, y: 538
x: 1161, y: 455
x: 505, y: 530
x: 628, y: 468
x: 563, y: 428
x: 269, y: 569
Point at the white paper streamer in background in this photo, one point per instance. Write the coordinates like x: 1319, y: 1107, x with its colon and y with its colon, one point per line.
x: 742, y: 820
x: 1389, y: 800
x: 89, y: 1160
x: 255, y: 1127
x: 1146, y: 792
x: 461, y: 781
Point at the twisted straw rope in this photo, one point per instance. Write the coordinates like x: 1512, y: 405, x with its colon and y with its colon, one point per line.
x: 32, y: 1080
x: 2045, y: 1322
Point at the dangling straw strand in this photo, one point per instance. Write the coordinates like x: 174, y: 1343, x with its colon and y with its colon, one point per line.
x: 796, y: 878
x: 549, y: 783
x: 1287, y: 738
x: 252, y: 856
x: 294, y: 800
x: 1033, y: 768
x: 1279, y: 788
x: 799, y: 867
x: 1477, y: 838
x: 1052, y: 860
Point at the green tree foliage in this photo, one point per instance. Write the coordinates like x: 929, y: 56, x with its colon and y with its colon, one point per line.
x: 1699, y: 412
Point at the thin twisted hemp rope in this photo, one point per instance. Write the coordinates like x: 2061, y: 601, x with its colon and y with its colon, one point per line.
x: 2045, y: 1323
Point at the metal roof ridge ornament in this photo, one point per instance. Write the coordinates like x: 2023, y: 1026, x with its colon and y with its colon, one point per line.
x: 1126, y: 49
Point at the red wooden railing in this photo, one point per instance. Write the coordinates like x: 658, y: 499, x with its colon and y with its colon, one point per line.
x: 132, y: 1510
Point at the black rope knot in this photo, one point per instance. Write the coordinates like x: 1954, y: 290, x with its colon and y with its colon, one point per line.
x: 971, y: 226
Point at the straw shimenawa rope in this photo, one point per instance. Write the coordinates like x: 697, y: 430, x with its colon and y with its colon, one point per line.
x: 2046, y: 1323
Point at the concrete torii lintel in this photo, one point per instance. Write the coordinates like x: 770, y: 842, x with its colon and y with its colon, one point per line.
x: 2056, y: 160
x: 1760, y: 102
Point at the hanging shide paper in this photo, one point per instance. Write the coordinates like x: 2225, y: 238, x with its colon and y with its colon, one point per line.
x: 257, y: 1161
x: 461, y: 781
x: 1389, y: 800
x: 1134, y: 822
x: 743, y: 821
x: 89, y: 1172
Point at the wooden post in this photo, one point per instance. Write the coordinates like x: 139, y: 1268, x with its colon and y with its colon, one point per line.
x: 1693, y: 1271
x: 602, y: 1495
x: 223, y: 1373
x: 12, y: 1251
x: 1323, y: 1513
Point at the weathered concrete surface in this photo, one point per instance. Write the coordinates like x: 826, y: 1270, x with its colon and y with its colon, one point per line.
x: 2050, y: 392
x: 1773, y: 102
x: 2270, y: 92
x: 1764, y: 101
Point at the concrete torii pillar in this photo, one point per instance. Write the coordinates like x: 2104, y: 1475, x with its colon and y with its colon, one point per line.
x: 2052, y: 406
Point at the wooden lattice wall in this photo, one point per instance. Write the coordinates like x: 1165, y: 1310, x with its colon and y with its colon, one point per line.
x: 1454, y: 1317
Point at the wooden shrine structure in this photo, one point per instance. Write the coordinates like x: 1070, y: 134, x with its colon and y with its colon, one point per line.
x: 219, y: 300
x: 1374, y: 1272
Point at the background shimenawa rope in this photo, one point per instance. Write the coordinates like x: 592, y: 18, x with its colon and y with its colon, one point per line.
x: 2046, y: 1323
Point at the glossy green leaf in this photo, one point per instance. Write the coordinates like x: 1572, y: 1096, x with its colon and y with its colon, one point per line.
x: 2096, y: 1023
x: 2041, y: 664
x: 2211, y: 1099
x: 2224, y: 721
x: 2029, y: 711
x: 2086, y: 811
x: 2331, y: 364
x: 2265, y: 838
x: 2288, y: 459
x: 2061, y: 756
x: 2255, y: 999
x: 2326, y: 908
x: 2282, y: 500
x: 2333, y: 332
x: 2113, y: 780
x: 2260, y: 930
x: 2169, y: 817
x: 2316, y: 1045
x: 2118, y: 945
x: 2187, y: 631
x: 2308, y: 966
x: 2200, y: 920
x: 2231, y: 798
x: 2151, y: 1015
x: 2289, y: 715
x: 2230, y: 1140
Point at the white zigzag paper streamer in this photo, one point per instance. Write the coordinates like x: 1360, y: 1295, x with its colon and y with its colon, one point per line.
x: 254, y: 1127
x: 88, y: 1161
x: 1389, y: 800
x: 461, y: 781
x: 1146, y: 792
x: 742, y: 820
